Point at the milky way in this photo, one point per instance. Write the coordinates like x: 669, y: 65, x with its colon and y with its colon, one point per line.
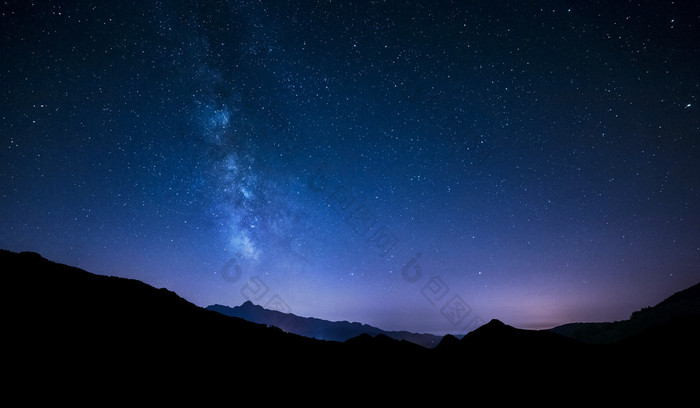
x: 413, y: 165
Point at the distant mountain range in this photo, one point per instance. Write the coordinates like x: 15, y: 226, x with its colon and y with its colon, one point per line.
x: 67, y: 331
x: 319, y: 328
x: 683, y: 303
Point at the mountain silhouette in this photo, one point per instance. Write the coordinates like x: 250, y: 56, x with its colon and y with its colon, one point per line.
x: 319, y: 328
x: 67, y: 329
x: 681, y: 304
x: 100, y: 326
x: 108, y: 329
x: 496, y: 345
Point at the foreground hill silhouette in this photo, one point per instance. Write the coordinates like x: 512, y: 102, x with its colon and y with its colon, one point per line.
x: 680, y: 305
x: 68, y: 326
x: 63, y: 319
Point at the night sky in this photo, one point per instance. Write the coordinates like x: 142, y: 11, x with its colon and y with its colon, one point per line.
x: 418, y: 165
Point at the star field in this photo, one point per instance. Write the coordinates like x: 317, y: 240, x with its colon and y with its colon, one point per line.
x: 417, y: 165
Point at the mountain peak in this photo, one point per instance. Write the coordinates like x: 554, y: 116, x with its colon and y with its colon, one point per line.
x: 495, y: 323
x: 318, y: 328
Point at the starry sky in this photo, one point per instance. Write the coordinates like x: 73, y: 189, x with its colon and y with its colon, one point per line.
x: 417, y: 165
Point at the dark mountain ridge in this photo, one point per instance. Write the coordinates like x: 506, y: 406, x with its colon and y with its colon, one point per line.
x: 70, y: 327
x: 62, y: 316
x: 319, y: 328
x: 64, y: 322
x: 682, y: 304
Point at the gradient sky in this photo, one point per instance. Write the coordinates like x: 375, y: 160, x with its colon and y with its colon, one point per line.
x: 418, y: 165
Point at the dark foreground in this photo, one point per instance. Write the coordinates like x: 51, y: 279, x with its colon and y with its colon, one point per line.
x: 73, y: 334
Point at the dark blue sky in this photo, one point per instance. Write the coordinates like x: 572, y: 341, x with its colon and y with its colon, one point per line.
x: 412, y: 165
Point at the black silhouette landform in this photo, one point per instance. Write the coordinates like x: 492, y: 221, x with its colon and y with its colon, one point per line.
x: 319, y: 328
x: 71, y: 327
